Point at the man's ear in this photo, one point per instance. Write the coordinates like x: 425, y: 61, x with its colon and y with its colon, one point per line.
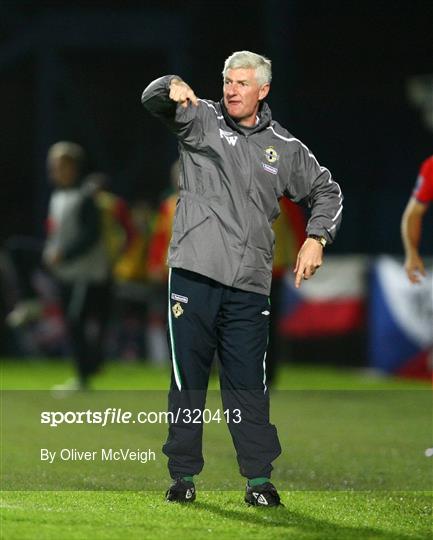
x: 264, y: 91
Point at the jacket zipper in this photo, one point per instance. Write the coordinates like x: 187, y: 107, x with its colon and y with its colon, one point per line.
x: 250, y: 181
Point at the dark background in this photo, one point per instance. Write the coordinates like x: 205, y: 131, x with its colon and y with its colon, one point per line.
x: 76, y: 70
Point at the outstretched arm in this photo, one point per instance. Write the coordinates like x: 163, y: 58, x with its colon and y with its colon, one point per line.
x: 411, y: 229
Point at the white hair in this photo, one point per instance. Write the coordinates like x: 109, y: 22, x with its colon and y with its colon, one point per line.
x: 247, y: 60
x: 66, y: 149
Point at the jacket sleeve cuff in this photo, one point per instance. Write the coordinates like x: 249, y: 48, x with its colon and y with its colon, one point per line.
x: 320, y: 232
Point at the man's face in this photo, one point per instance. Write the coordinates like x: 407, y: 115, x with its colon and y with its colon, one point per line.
x: 242, y: 94
x: 62, y: 171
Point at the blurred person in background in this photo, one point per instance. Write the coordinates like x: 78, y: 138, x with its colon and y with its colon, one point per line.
x: 126, y: 246
x: 134, y: 292
x: 132, y: 263
x: 77, y: 255
x: 236, y: 163
x: 157, y: 263
x: 289, y: 230
x: 161, y: 234
x: 118, y: 230
x: 412, y: 220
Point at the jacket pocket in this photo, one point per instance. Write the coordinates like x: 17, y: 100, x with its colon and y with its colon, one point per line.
x: 256, y: 257
x: 189, y: 216
x: 257, y: 267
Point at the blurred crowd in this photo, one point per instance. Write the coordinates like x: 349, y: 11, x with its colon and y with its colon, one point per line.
x: 95, y: 286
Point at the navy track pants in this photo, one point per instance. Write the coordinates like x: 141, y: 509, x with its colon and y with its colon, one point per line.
x: 205, y: 317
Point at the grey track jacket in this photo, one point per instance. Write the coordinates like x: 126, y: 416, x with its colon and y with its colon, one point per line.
x: 230, y: 184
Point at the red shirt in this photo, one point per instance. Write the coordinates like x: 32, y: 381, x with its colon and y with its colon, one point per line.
x: 423, y: 191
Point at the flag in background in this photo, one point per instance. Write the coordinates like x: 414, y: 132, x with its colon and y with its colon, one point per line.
x: 331, y: 304
x: 400, y: 321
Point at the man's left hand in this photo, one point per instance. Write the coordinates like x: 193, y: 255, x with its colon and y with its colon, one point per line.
x: 310, y: 258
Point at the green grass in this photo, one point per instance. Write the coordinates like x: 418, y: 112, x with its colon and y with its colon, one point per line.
x: 132, y: 515
x: 317, y: 434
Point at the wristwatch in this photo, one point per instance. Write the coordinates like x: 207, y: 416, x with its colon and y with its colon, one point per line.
x: 321, y: 239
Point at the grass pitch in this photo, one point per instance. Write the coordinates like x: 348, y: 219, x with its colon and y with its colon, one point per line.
x: 308, y: 514
x: 132, y: 515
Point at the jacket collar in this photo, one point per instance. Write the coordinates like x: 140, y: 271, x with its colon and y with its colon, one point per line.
x: 264, y: 114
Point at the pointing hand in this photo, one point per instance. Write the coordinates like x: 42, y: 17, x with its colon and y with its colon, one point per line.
x: 182, y: 93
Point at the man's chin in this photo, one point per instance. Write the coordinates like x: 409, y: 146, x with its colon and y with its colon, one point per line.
x: 233, y: 113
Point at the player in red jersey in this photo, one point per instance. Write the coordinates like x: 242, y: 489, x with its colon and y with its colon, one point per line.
x: 411, y: 223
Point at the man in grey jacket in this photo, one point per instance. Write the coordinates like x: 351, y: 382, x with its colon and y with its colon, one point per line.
x: 236, y: 163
